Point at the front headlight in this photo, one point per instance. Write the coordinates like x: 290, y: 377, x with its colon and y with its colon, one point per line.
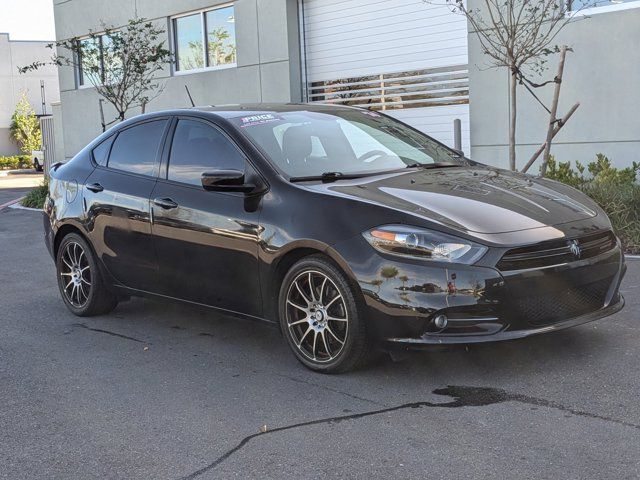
x: 424, y: 244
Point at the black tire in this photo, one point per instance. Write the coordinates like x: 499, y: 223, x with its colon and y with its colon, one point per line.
x: 79, y: 279
x: 309, y: 274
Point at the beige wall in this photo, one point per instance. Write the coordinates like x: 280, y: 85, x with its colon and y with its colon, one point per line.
x: 267, y: 59
x: 602, y: 73
x: 14, y: 54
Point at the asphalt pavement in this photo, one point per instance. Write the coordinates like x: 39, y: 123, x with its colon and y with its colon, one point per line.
x: 16, y: 185
x: 158, y: 390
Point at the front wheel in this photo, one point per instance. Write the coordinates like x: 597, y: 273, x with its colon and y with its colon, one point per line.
x: 320, y: 319
x: 79, y: 279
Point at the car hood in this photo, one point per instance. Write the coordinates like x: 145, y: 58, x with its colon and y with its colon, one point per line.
x: 472, y: 199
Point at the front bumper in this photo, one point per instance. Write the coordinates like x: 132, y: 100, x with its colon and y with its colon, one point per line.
x: 511, y: 334
x: 482, y: 304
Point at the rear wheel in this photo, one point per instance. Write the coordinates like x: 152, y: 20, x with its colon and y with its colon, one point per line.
x: 320, y: 319
x: 79, y: 279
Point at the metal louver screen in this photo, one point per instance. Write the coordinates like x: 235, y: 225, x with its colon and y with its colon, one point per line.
x: 388, y: 91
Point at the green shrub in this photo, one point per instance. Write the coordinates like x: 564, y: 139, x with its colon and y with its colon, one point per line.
x: 35, y: 198
x: 615, y: 190
x: 15, y: 162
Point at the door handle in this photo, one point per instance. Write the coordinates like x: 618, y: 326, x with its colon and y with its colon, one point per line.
x: 95, y: 187
x: 165, y: 203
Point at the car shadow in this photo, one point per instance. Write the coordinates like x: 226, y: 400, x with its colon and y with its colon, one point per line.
x: 256, y: 344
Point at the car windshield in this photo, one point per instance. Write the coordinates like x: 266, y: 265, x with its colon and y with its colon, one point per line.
x: 311, y: 143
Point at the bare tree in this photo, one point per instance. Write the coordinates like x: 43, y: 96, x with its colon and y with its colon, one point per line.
x: 121, y: 64
x: 518, y: 35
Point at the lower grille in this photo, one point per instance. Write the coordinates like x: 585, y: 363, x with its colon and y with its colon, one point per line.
x: 564, y: 304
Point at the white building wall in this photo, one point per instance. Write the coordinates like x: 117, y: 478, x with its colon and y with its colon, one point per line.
x: 347, y: 39
x: 15, y: 54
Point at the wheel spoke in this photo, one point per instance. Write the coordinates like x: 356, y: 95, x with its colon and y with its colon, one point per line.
x: 332, y: 301
x: 86, y: 281
x: 83, y: 269
x: 334, y: 335
x: 326, y: 344
x: 297, y: 306
x: 65, y: 262
x: 335, y: 319
x: 298, y: 322
x: 66, y: 274
x: 306, y: 299
x: 304, y: 336
x: 313, y: 294
x: 315, y: 340
x: 324, y: 282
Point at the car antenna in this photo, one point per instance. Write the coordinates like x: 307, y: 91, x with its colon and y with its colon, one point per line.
x: 190, y: 98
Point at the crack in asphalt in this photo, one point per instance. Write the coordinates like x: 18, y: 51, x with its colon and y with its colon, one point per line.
x: 462, y: 397
x: 334, y: 390
x: 113, y: 334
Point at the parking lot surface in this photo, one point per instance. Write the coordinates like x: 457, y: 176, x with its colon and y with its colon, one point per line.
x: 159, y: 390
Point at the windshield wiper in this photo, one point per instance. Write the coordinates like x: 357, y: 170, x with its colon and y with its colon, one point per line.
x: 328, y: 177
x: 427, y: 166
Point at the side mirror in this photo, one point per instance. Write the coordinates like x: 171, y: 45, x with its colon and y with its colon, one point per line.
x: 226, y: 181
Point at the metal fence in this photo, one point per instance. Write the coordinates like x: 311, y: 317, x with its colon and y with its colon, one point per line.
x: 48, y: 142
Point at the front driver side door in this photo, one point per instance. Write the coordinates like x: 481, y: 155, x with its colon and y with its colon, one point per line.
x: 206, y: 242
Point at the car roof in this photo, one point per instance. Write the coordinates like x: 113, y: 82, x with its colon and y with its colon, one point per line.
x: 242, y: 109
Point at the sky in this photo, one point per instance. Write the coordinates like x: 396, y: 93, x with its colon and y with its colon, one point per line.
x: 27, y: 19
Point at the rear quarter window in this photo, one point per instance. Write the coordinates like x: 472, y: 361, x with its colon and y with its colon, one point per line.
x: 101, y: 152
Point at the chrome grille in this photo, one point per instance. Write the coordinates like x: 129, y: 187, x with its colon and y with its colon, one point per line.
x: 557, y: 252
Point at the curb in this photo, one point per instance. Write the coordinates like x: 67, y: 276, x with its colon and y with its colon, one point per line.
x: 9, y: 203
x: 20, y: 171
x: 17, y: 206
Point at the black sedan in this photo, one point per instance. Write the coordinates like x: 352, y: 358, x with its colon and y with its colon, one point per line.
x: 348, y: 228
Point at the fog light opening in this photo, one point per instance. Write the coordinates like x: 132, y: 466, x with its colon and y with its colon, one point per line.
x: 441, y: 321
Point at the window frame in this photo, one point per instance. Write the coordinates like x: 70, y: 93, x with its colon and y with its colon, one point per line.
x: 159, y: 154
x: 203, y: 22
x: 163, y: 174
x: 615, y: 7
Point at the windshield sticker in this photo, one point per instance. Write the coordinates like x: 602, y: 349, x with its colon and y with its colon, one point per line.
x: 258, y: 119
x: 370, y: 113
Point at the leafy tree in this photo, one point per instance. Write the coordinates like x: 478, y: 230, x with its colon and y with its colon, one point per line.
x: 121, y: 63
x: 25, y: 127
x: 519, y: 35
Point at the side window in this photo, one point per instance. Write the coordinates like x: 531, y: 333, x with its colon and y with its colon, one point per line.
x: 101, y: 152
x: 198, y: 148
x: 136, y: 149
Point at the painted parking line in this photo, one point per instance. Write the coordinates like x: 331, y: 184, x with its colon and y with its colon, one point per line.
x: 9, y: 203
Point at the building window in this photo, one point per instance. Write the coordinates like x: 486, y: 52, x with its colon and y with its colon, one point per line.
x: 601, y: 5
x: 99, y: 62
x: 90, y: 69
x: 205, y: 39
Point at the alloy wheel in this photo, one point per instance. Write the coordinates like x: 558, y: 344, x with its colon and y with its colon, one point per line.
x: 317, y: 316
x: 75, y: 272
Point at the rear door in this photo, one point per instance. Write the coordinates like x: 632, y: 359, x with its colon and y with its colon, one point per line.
x: 117, y: 202
x: 207, y: 242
